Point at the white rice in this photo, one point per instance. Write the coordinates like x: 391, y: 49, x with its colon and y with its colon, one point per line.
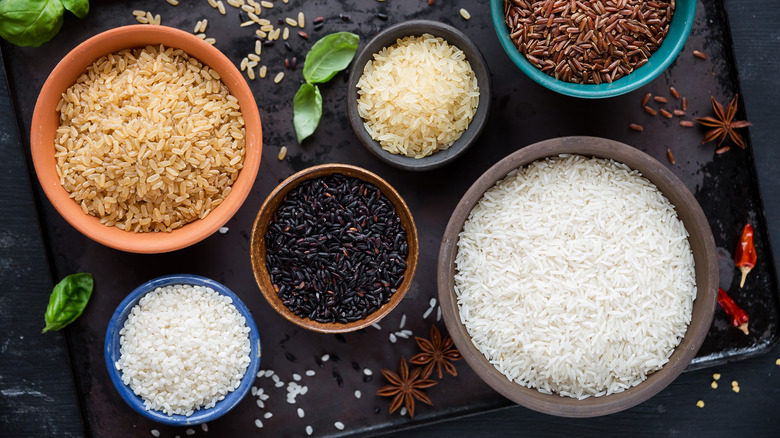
x: 575, y: 277
x: 418, y: 96
x: 183, y: 348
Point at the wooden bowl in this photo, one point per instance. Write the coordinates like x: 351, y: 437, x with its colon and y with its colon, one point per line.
x: 258, y: 246
x: 389, y: 37
x: 700, y: 239
x: 46, y: 120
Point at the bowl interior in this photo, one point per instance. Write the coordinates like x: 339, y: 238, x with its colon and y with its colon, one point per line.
x: 679, y: 29
x: 702, y: 246
x: 389, y: 37
x: 112, y: 352
x: 258, y: 247
x: 46, y: 120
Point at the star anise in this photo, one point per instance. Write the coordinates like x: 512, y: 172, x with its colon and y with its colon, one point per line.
x: 723, y: 123
x: 405, y: 387
x: 438, y: 353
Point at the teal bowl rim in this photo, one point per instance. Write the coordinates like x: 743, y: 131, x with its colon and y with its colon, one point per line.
x: 679, y: 29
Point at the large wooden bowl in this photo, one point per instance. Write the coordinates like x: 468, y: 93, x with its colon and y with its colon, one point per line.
x: 45, y: 122
x: 258, y: 247
x: 701, y: 242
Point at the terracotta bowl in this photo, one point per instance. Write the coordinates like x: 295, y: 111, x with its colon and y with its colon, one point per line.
x: 258, y: 247
x: 46, y: 120
x: 701, y: 242
x: 389, y: 37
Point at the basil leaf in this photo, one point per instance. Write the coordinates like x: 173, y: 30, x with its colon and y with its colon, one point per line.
x: 68, y: 299
x: 30, y: 22
x: 329, y: 55
x: 79, y: 8
x: 307, y: 110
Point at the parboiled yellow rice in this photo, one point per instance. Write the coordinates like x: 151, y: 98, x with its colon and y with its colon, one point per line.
x: 149, y: 139
x: 418, y: 96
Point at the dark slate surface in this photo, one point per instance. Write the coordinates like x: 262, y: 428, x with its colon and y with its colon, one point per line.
x: 671, y: 412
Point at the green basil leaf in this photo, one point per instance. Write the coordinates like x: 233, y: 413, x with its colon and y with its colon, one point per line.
x: 68, y: 299
x: 79, y: 8
x: 307, y: 110
x: 329, y: 55
x: 30, y: 22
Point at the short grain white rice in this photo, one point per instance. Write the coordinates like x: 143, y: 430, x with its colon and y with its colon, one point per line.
x: 575, y: 276
x: 183, y: 348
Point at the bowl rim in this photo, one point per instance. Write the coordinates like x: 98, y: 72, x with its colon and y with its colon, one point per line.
x: 42, y: 141
x: 679, y: 29
x: 706, y: 277
x: 478, y: 64
x: 111, y: 351
x: 271, y: 204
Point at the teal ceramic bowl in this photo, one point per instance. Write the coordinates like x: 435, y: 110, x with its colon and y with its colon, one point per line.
x: 679, y: 29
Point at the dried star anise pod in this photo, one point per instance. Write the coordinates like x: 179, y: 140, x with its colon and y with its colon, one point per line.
x: 723, y: 123
x: 405, y: 387
x: 436, y: 352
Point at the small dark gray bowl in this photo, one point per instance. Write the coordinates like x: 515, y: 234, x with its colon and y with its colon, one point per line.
x: 453, y: 36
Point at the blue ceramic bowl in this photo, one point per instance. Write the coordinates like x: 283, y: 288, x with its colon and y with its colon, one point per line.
x: 679, y: 28
x: 112, y: 352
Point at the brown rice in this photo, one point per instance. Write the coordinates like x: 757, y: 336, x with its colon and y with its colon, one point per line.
x: 149, y: 139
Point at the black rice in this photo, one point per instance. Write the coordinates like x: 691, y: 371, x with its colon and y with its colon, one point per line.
x: 335, y: 249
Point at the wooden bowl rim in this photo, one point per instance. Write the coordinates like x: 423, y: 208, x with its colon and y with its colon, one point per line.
x: 46, y: 119
x: 702, y: 246
x: 271, y: 204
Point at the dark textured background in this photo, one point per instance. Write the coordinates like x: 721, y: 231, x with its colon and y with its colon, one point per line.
x: 36, y: 386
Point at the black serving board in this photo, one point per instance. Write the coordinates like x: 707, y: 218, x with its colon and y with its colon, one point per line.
x: 725, y: 185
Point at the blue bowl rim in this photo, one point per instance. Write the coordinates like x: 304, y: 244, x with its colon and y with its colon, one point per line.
x: 685, y: 10
x: 111, y: 352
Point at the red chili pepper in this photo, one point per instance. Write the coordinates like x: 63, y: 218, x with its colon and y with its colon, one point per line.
x: 739, y: 318
x: 745, y: 257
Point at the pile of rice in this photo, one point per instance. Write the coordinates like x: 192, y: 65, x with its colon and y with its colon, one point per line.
x: 149, y: 139
x: 183, y: 348
x: 575, y: 277
x: 417, y: 96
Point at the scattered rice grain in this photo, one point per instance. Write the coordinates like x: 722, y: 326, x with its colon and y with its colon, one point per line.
x: 278, y: 78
